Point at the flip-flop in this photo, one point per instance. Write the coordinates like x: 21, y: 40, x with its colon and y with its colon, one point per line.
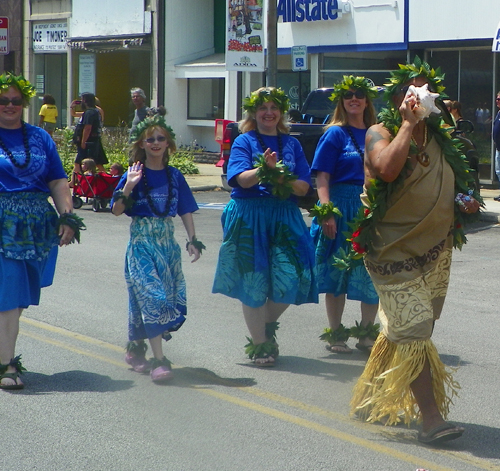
x: 364, y: 348
x: 441, y: 433
x: 343, y: 349
x: 14, y: 377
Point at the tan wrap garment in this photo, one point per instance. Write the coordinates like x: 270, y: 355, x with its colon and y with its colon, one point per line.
x: 410, y: 267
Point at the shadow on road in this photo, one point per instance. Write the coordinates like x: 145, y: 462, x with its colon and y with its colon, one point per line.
x: 71, y: 381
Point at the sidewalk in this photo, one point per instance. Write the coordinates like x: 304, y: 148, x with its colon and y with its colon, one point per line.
x: 209, y: 179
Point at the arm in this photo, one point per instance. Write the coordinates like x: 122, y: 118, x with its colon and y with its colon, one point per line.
x: 59, y: 190
x: 187, y: 220
x: 40, y: 121
x: 323, y: 184
x: 85, y: 135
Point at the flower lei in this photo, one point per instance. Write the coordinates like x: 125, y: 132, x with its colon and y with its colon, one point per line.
x: 324, y: 211
x: 257, y: 98
x: 379, y: 192
x: 351, y: 82
x: 156, y: 120
x: 280, y: 177
x: 8, y: 80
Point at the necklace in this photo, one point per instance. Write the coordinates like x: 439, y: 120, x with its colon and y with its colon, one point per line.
x: 355, y: 142
x: 422, y: 156
x: 149, y: 198
x: 264, y: 147
x: 26, y: 149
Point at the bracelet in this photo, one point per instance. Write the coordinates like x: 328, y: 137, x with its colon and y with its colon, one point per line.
x: 279, y: 177
x: 324, y: 212
x: 197, y: 244
x: 127, y: 201
x: 74, y: 222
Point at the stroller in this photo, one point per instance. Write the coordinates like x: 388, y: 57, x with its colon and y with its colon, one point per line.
x: 98, y: 187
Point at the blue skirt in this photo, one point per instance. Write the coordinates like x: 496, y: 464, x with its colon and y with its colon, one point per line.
x: 28, y: 248
x: 155, y: 282
x: 355, y: 283
x: 267, y: 253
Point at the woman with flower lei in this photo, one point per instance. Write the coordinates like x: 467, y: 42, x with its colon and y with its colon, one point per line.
x: 338, y: 162
x: 418, y: 194
x: 30, y: 172
x: 267, y: 256
x: 151, y: 193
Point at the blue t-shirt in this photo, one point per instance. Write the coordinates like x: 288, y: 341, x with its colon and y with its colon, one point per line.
x: 45, y: 164
x: 336, y: 154
x: 244, y: 154
x: 182, y: 200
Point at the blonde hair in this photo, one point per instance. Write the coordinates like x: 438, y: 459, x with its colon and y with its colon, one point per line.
x: 249, y: 123
x: 138, y: 154
x: 340, y: 117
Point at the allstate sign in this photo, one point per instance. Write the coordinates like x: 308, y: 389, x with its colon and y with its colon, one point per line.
x: 291, y: 11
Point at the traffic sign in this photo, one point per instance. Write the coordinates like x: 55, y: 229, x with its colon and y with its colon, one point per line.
x: 299, y: 58
x: 4, y: 35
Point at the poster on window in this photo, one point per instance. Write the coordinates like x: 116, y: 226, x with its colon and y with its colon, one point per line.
x: 245, y: 28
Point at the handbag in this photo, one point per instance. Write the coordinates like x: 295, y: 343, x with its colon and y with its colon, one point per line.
x: 77, y: 134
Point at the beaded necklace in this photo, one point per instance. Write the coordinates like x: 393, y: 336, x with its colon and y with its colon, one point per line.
x: 147, y: 190
x: 26, y: 149
x: 264, y: 147
x: 355, y: 142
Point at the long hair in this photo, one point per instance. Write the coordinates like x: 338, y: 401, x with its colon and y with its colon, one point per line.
x: 340, y: 117
x: 138, y: 154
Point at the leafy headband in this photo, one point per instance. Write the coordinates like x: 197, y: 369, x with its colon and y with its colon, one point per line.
x: 156, y: 120
x: 257, y: 98
x: 351, y: 82
x: 408, y: 72
x: 8, y: 80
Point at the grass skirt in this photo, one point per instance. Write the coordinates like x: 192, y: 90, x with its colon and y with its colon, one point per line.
x: 383, y: 393
x: 155, y: 282
x: 267, y: 253
x: 355, y: 283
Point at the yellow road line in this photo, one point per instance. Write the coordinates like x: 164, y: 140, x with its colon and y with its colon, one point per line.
x: 459, y: 456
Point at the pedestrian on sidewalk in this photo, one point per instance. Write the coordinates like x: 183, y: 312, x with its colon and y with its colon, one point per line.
x: 496, y: 141
x: 151, y: 192
x: 267, y: 256
x: 30, y: 229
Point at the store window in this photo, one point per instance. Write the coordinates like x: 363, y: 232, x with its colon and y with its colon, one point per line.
x: 206, y: 98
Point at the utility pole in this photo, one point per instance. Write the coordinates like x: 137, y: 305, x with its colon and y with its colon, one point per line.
x: 272, y: 44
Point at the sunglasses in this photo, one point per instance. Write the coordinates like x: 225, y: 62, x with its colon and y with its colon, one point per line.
x: 359, y: 94
x: 152, y: 140
x: 497, y: 98
x: 4, y: 101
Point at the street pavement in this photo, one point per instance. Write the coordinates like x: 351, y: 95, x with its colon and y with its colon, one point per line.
x: 209, y: 179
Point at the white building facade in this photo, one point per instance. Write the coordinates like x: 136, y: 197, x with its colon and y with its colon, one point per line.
x: 174, y: 50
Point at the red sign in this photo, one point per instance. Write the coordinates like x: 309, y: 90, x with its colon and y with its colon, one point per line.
x: 4, y: 35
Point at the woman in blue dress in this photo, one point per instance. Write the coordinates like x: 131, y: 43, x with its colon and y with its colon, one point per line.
x: 338, y: 163
x: 267, y: 256
x: 30, y: 230
x: 152, y: 193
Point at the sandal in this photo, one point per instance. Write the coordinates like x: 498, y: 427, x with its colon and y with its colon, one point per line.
x: 13, y: 376
x: 336, y: 339
x: 161, y: 370
x: 136, y: 357
x: 262, y: 354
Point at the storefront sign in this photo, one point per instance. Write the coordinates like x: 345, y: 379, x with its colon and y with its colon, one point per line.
x: 496, y: 40
x: 291, y: 11
x: 4, y: 35
x: 245, y: 28
x: 50, y: 37
x: 86, y: 73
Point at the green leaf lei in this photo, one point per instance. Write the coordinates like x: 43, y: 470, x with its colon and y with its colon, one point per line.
x: 351, y: 82
x: 73, y: 221
x: 156, y: 120
x: 324, y: 212
x: 8, y: 80
x: 340, y: 334
x: 257, y: 98
x: 197, y: 244
x: 279, y: 177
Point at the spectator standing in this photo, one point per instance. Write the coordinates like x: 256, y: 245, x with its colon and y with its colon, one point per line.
x: 48, y: 114
x: 141, y: 110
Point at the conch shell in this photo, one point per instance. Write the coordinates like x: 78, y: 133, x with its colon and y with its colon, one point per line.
x: 425, y: 101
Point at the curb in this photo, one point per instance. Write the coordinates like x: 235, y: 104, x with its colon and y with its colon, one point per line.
x: 490, y: 217
x: 205, y: 188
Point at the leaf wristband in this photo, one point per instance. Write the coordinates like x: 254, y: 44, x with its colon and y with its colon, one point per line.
x: 127, y: 201
x: 74, y: 222
x: 197, y: 244
x: 279, y: 177
x: 324, y: 211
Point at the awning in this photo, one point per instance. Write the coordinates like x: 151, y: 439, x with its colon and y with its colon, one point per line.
x: 109, y: 43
